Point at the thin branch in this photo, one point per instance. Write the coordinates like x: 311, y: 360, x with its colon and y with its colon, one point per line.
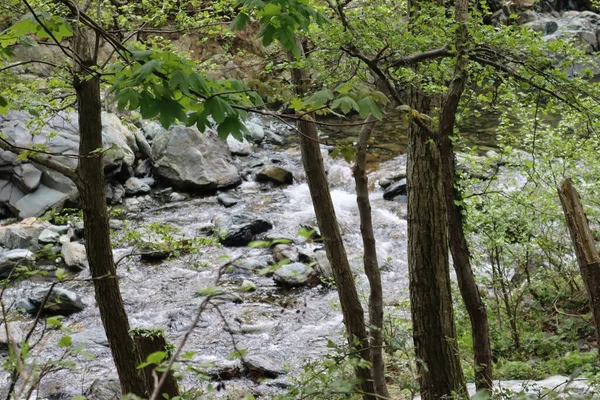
x: 47, y: 160
x: 414, y: 59
x: 27, y: 62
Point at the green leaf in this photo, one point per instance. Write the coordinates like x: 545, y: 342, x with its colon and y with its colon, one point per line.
x: 170, y: 112
x: 3, y: 105
x: 271, y: 10
x: 218, y: 108
x: 345, y: 103
x: 319, y: 99
x: 179, y: 80
x: 65, y: 341
x: 367, y: 105
x: 233, y: 126
x: 156, y: 357
x: 239, y: 22
x: 128, y: 96
x: 259, y: 244
x: 145, y: 70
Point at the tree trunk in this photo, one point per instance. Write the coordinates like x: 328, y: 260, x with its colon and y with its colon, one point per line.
x: 456, y: 235
x: 318, y: 185
x: 585, y: 248
x: 148, y: 342
x: 370, y: 258
x: 90, y: 183
x: 434, y: 332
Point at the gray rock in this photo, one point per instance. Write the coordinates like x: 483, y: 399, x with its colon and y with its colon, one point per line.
x: 144, y: 168
x: 135, y: 186
x: 173, y: 197
x: 40, y: 201
x: 227, y: 200
x: 277, y: 175
x: 256, y: 132
x: 394, y: 190
x: 60, y: 229
x: 10, y: 195
x: 104, y: 389
x: 48, y: 236
x: 92, y: 337
x: 27, y: 177
x: 144, y: 147
x: 15, y: 334
x: 295, y: 274
x: 114, y: 193
x: 12, y: 258
x: 249, y: 264
x: 274, y: 138
x: 285, y: 252
x: 262, y: 366
x: 240, y: 148
x: 18, y: 238
x: 323, y: 264
x: 239, y: 229
x: 190, y: 160
x: 60, y: 301
x: 75, y: 256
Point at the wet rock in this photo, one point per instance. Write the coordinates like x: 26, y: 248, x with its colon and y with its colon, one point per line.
x: 75, y: 257
x: 27, y: 177
x: 104, y: 389
x: 323, y: 264
x: 261, y: 366
x: 285, y: 252
x: 190, y: 160
x: 174, y: 197
x: 15, y: 335
x: 239, y: 229
x: 60, y: 301
x: 295, y: 274
x: 142, y: 144
x: 387, y: 180
x: 114, y: 193
x: 277, y: 175
x: 76, y: 230
x: 48, y: 236
x: 240, y: 148
x: 143, y: 169
x: 154, y: 251
x: 249, y: 264
x: 135, y: 186
x: 37, y: 203
x: 394, y: 190
x: 12, y: 258
x: 227, y: 200
x: 92, y: 337
x: 19, y: 238
x: 273, y: 138
x: 256, y: 132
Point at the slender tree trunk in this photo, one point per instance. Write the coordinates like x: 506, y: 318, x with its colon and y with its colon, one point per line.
x: 370, y: 258
x: 456, y: 235
x: 585, y: 248
x: 434, y: 332
x: 90, y: 183
x: 318, y: 185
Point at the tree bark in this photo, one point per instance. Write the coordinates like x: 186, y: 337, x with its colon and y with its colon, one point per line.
x: 457, y: 241
x: 146, y: 344
x: 585, y: 248
x: 90, y: 183
x: 370, y: 262
x: 318, y: 185
x: 434, y: 332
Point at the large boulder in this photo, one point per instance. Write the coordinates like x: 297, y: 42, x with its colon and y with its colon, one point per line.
x: 295, y: 274
x: 60, y: 301
x: 190, y: 160
x: 395, y: 190
x: 10, y: 259
x: 28, y: 189
x: 239, y: 229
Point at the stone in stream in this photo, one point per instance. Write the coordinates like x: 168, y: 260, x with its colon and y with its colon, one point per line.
x: 276, y: 175
x: 75, y: 256
x: 48, y: 236
x: 104, y: 389
x: 285, y: 252
x: 190, y: 160
x: 13, y: 258
x: 261, y: 366
x: 227, y: 200
x: 239, y: 229
x: 135, y: 186
x: 323, y: 264
x: 295, y: 274
x: 395, y: 189
x: 15, y: 335
x: 239, y: 148
x: 60, y: 301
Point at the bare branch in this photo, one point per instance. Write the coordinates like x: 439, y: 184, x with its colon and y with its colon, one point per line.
x: 47, y: 160
x: 27, y: 62
x: 420, y: 57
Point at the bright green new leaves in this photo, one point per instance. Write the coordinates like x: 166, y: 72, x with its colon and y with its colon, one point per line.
x: 346, y: 98
x: 168, y: 87
x: 280, y: 20
x: 28, y: 25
